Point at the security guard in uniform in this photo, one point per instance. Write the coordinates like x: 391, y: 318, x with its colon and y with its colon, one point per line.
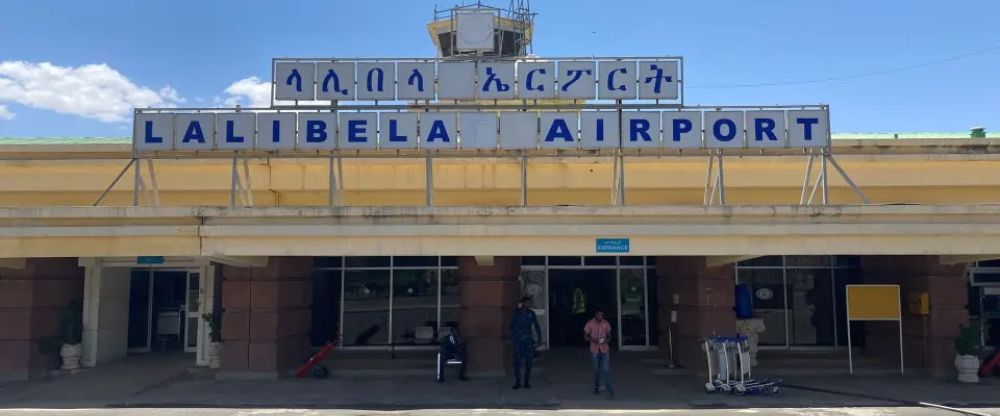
x: 521, y: 325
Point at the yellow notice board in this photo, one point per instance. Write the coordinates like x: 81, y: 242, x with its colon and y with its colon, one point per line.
x: 873, y: 302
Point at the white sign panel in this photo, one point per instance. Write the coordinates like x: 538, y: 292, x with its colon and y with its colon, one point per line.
x: 496, y: 80
x: 247, y: 130
x: 236, y: 131
x: 682, y: 129
x: 438, y: 130
x: 559, y: 130
x: 723, y: 129
x: 765, y: 129
x: 317, y: 131
x: 397, y: 130
x: 153, y: 131
x: 456, y: 80
x: 194, y: 131
x: 336, y: 81
x: 599, y: 129
x: 658, y: 80
x: 478, y: 130
x: 808, y: 128
x: 358, y: 130
x: 294, y: 80
x: 415, y: 80
x: 376, y: 81
x: 616, y: 80
x: 536, y: 80
x: 275, y: 131
x: 519, y: 130
x: 576, y: 80
x: 642, y: 129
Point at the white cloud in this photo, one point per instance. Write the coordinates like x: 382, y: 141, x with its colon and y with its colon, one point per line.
x: 248, y: 92
x: 93, y: 91
x: 5, y: 113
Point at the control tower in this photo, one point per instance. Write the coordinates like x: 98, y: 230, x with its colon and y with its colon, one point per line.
x: 478, y: 30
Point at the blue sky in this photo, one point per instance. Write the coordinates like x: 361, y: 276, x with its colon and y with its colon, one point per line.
x: 186, y: 52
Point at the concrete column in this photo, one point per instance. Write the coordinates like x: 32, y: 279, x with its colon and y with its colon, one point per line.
x: 105, y: 313
x: 703, y: 299
x: 488, y: 295
x: 928, y: 340
x: 33, y: 297
x: 266, y: 318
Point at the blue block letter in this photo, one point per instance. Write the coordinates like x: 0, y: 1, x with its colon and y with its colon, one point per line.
x: 230, y: 135
x: 681, y: 126
x: 194, y: 133
x: 639, y: 127
x: 275, y: 131
x: 315, y: 131
x: 559, y: 129
x: 730, y: 127
x: 762, y: 126
x: 150, y: 138
x: 807, y: 126
x: 438, y: 132
x: 393, y: 132
x: 356, y: 131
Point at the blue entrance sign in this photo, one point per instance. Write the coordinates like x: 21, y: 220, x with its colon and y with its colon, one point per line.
x: 612, y: 245
x: 149, y: 260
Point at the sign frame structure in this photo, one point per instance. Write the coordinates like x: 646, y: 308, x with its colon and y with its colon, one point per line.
x: 877, y: 314
x: 318, y: 84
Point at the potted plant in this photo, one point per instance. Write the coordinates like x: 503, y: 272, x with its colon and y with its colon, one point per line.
x: 215, y: 336
x: 72, y: 335
x: 966, y: 350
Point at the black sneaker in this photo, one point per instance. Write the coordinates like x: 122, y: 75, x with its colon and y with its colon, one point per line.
x: 516, y: 386
x: 440, y: 380
x: 527, y: 385
x: 463, y: 378
x: 597, y: 390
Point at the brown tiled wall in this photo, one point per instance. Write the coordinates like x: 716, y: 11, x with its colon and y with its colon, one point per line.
x: 266, y: 317
x: 488, y: 295
x: 928, y: 341
x: 32, y: 301
x: 704, y: 308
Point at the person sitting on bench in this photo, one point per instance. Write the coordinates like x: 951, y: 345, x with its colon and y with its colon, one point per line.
x: 452, y: 348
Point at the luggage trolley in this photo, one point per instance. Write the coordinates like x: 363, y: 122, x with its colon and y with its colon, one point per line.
x: 729, y: 368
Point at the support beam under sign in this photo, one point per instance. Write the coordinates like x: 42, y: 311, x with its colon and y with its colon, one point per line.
x: 716, y: 261
x: 484, y: 260
x: 959, y: 259
x: 13, y: 263
x: 242, y: 261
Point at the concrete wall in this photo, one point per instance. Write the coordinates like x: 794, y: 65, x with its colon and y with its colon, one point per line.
x: 33, y: 298
x: 106, y: 314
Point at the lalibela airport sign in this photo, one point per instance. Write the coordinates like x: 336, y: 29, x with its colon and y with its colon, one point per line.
x: 327, y: 105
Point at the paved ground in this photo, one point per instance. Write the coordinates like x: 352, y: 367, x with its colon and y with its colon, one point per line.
x: 162, y: 385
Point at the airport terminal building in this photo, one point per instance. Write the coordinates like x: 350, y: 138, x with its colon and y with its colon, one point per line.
x: 389, y: 235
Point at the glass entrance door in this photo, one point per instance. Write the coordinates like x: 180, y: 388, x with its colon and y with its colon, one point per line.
x: 193, y: 308
x: 632, y: 295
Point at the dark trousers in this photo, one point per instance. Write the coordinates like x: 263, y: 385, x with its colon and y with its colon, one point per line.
x: 524, y: 353
x: 448, y: 355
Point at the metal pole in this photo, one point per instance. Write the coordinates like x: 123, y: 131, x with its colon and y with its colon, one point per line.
x: 524, y: 179
x: 153, y: 183
x: 248, y: 188
x: 850, y: 346
x: 805, y: 181
x: 429, y: 177
x: 722, y: 182
x: 899, y: 319
x: 113, y: 183
x: 138, y: 182
x: 331, y: 185
x: 843, y: 174
x: 814, y: 188
x: 708, y: 181
x: 233, y: 178
x: 826, y: 181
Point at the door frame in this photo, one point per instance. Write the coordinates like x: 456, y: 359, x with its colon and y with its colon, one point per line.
x: 617, y: 267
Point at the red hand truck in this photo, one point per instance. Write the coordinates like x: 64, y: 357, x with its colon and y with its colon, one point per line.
x: 311, y: 366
